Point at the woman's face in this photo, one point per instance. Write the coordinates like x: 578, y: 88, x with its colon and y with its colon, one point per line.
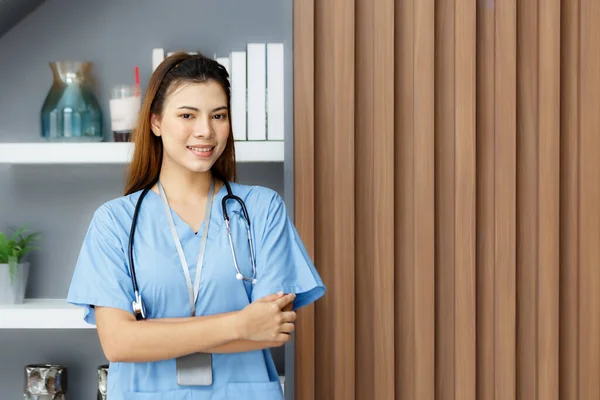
x: 194, y: 125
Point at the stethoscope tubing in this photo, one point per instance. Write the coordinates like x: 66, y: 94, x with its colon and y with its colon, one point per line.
x: 137, y: 305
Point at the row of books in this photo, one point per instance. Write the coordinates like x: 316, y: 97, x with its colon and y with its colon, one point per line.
x: 257, y: 90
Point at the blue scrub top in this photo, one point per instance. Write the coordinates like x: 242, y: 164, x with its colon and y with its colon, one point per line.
x: 102, y: 278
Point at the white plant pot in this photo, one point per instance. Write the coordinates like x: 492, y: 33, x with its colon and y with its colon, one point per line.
x: 13, y: 292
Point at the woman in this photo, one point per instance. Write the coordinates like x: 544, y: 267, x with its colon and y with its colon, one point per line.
x: 205, y: 335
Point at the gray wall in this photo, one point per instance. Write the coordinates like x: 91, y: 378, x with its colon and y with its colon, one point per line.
x: 59, y: 200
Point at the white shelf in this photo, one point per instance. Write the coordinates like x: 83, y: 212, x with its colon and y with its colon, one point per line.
x: 48, y: 314
x: 116, y: 153
x: 42, y: 314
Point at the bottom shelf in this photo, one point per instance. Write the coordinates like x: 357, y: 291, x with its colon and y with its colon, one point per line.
x: 42, y: 314
x: 48, y: 314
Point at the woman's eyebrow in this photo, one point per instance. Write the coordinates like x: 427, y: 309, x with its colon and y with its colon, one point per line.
x: 196, y: 109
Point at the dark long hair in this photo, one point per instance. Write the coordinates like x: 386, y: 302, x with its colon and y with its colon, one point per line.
x: 177, y: 69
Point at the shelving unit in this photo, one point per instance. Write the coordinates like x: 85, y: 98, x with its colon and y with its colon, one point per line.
x: 45, y: 183
x: 42, y: 314
x: 48, y: 314
x: 116, y: 153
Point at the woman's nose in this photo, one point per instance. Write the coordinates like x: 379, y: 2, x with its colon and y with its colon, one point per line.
x: 203, y: 128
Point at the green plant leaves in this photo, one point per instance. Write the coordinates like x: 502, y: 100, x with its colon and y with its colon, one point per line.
x: 13, y: 249
x: 4, y: 248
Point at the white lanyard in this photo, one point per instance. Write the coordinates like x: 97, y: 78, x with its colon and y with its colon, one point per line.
x: 192, y: 293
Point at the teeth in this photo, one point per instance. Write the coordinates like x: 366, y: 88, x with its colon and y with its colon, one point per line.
x: 201, y: 149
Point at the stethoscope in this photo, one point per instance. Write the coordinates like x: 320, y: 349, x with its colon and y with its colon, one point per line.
x: 139, y: 309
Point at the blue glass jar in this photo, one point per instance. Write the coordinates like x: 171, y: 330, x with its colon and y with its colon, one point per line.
x: 71, y: 111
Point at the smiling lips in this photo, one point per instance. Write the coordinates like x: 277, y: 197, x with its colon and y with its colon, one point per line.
x: 201, y: 151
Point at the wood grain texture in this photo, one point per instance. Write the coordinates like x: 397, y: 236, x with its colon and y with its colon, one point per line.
x: 383, y: 177
x: 375, y: 197
x: 486, y: 240
x: 448, y: 184
x: 445, y: 196
x: 326, y: 350
x: 407, y: 369
x: 589, y: 204
x: 505, y: 197
x: 548, y: 170
x: 342, y: 217
x: 527, y: 198
x: 304, y: 186
x: 414, y: 151
x: 464, y: 229
x: 569, y: 201
x: 424, y: 204
x: 365, y: 198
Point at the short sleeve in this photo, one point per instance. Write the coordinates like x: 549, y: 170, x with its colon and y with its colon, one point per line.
x: 282, y: 262
x: 101, y: 277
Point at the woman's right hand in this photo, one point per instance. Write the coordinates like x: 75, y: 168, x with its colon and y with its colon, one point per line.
x: 265, y: 320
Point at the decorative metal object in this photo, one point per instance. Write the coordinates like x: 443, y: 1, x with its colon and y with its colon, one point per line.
x: 45, y: 382
x: 102, y: 382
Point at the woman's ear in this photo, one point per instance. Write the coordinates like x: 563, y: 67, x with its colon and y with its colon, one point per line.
x: 155, y: 124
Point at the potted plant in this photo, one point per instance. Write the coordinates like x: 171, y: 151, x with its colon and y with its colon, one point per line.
x: 14, y: 270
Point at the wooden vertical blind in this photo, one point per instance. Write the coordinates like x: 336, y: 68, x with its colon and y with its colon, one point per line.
x: 447, y: 184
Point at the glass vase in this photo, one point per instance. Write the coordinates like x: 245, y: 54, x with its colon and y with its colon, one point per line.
x: 71, y: 111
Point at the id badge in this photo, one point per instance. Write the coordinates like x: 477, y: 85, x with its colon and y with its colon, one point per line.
x: 194, y: 369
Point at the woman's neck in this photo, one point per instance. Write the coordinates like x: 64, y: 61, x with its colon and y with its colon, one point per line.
x: 184, y: 186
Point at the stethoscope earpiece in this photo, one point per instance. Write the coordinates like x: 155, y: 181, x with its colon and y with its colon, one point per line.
x: 239, y: 277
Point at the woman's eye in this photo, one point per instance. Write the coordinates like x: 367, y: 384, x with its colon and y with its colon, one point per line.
x: 220, y: 116
x: 186, y: 116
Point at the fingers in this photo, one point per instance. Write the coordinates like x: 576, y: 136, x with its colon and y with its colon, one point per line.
x: 285, y: 300
x: 283, y: 337
x: 287, y: 328
x: 271, y: 297
x: 288, y: 316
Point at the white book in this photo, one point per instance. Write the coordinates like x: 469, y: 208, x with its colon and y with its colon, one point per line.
x: 224, y: 61
x: 275, y: 92
x: 158, y: 56
x: 237, y: 78
x: 257, y: 88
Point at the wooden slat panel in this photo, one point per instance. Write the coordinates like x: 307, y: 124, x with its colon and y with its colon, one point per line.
x: 505, y: 201
x: 415, y: 195
x: 486, y: 239
x: 569, y: 223
x: 548, y: 197
x: 527, y: 183
x: 383, y: 238
x: 406, y: 363
x: 464, y: 229
x: 304, y: 186
x: 589, y: 195
x: 518, y: 238
x: 424, y: 207
x: 365, y: 199
x: 445, y: 139
x: 326, y: 362
x: 343, y: 215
